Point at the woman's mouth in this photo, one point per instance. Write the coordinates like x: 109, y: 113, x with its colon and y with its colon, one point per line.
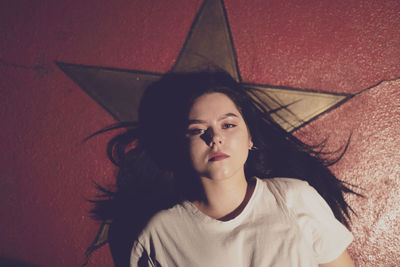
x: 217, y: 156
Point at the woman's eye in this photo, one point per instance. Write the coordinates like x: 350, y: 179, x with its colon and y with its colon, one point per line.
x: 195, y: 131
x: 228, y: 125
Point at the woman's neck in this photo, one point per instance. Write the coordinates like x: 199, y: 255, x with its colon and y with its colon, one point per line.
x: 224, y: 199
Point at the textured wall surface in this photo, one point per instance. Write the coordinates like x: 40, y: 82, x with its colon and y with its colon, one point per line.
x: 46, y: 172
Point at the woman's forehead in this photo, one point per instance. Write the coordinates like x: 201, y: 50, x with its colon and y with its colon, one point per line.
x: 213, y: 104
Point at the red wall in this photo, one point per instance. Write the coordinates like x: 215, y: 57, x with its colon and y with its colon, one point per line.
x: 47, y: 173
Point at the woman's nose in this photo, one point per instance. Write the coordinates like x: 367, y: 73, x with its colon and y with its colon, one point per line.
x: 214, y: 136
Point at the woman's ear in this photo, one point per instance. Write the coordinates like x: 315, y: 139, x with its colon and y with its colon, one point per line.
x: 250, y: 144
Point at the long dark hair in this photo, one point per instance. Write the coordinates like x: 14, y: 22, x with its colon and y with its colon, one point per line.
x: 151, y: 156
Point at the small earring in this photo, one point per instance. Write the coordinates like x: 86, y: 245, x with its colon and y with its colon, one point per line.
x: 253, y: 147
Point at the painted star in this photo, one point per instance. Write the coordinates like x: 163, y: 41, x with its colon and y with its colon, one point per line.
x: 208, y: 45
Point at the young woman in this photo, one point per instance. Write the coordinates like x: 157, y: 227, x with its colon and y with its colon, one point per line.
x: 203, y: 181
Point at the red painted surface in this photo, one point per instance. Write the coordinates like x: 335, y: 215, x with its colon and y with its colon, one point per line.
x: 46, y: 173
x: 372, y: 162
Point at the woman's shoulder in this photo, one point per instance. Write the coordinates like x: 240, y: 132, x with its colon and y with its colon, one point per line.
x: 288, y: 190
x: 285, y: 185
x: 165, y: 216
x: 285, y: 181
x: 298, y: 196
x: 165, y: 220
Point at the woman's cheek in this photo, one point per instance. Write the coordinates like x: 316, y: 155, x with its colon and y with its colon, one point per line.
x: 195, y: 150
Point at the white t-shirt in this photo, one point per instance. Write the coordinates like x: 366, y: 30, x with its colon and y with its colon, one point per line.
x: 285, y: 223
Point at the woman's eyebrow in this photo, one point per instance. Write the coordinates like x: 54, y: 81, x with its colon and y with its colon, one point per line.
x: 196, y: 122
x: 227, y: 115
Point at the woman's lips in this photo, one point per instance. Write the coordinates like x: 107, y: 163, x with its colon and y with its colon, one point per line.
x: 217, y: 156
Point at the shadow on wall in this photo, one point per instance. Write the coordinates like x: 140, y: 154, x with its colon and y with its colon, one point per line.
x: 6, y: 262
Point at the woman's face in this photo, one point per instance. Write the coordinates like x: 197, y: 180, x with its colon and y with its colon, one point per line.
x: 218, y: 137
